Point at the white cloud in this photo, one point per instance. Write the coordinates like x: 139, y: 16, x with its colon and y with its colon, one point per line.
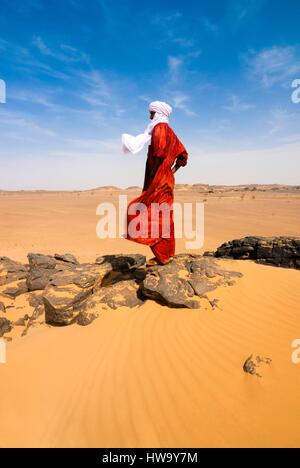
x: 180, y: 101
x: 21, y: 58
x: 66, y: 53
x: 275, y: 65
x: 39, y: 44
x: 94, y: 88
x: 237, y: 106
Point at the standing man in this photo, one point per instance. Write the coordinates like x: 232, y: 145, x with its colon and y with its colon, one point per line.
x: 150, y: 216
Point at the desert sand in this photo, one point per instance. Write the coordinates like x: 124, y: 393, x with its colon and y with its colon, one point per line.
x: 154, y: 376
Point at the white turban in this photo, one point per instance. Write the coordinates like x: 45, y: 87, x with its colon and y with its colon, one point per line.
x: 161, y: 108
x: 132, y: 144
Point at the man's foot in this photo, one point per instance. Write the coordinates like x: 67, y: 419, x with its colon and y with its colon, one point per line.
x: 154, y: 261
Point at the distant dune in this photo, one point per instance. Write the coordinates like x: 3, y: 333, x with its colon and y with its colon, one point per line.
x: 180, y: 187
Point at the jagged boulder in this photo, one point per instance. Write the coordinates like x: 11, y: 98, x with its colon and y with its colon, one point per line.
x: 279, y: 251
x: 43, y: 267
x: 183, y: 281
x: 11, y: 271
x: 86, y: 318
x: 67, y: 290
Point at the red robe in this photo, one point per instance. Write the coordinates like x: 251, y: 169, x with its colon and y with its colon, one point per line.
x: 157, y: 231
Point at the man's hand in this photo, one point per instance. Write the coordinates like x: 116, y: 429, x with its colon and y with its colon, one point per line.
x: 175, y: 169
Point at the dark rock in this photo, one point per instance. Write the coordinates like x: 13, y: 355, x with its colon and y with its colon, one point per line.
x: 38, y: 278
x: 37, y: 260
x: 209, y: 254
x: 202, y: 286
x: 140, y: 274
x: 5, y: 326
x: 11, y: 271
x: 278, y: 251
x: 123, y: 263
x: 2, y: 307
x: 184, y: 280
x: 43, y: 267
x: 17, y: 290
x: 35, y: 300
x: 74, y: 292
x: 165, y: 284
x: 68, y: 258
x: 174, y: 292
x: 67, y: 291
x: 85, y: 318
x: 252, y: 365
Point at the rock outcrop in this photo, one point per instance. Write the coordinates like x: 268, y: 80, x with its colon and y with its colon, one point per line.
x: 61, y: 291
x: 11, y: 271
x: 184, y: 281
x: 43, y: 267
x: 67, y: 290
x: 13, y: 275
x: 278, y: 251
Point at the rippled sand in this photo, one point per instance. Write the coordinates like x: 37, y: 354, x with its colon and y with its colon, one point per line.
x: 154, y: 376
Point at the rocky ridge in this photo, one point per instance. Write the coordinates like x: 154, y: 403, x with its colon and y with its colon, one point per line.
x: 61, y: 291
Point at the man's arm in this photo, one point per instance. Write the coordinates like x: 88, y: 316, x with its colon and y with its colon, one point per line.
x: 181, y: 161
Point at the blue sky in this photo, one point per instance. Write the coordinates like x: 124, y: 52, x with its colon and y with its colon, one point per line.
x: 80, y: 73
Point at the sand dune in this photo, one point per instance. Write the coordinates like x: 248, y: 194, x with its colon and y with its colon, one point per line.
x: 154, y: 376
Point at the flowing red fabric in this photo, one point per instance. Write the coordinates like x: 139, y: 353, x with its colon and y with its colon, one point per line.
x: 155, y: 227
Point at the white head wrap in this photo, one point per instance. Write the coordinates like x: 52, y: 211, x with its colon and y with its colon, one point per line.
x: 132, y: 144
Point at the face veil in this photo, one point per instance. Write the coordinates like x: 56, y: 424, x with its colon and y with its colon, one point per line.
x: 134, y: 144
